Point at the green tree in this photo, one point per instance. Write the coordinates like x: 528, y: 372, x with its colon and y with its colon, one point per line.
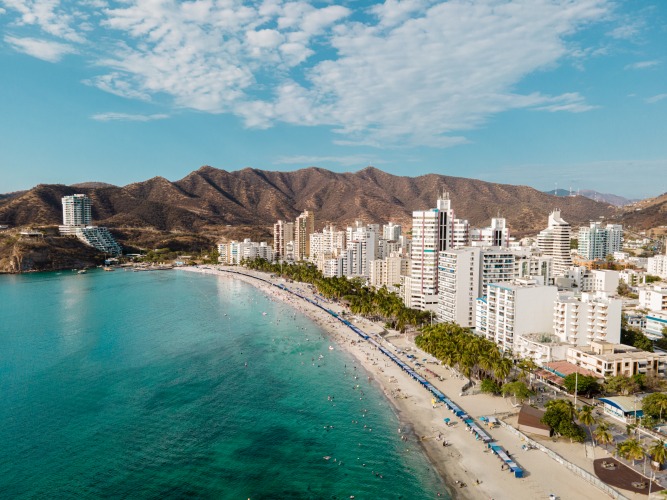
x: 655, y: 405
x: 518, y: 390
x: 658, y: 452
x: 602, y: 434
x: 490, y: 386
x: 559, y: 416
x: 631, y: 449
x: 586, y: 417
x: 526, y: 366
x: 585, y: 384
x: 620, y: 384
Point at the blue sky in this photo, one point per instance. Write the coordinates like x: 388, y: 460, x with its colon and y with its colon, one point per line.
x: 535, y: 92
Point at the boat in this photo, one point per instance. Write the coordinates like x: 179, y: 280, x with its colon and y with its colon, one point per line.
x: 108, y: 268
x: 331, y: 348
x: 81, y: 271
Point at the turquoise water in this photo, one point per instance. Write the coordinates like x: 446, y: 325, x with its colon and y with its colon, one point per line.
x: 135, y: 385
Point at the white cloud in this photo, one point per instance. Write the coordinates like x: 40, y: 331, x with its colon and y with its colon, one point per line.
x: 656, y: 98
x: 416, y: 72
x: 46, y: 50
x: 642, y: 65
x: 48, y: 15
x: 107, y: 117
x: 629, y: 30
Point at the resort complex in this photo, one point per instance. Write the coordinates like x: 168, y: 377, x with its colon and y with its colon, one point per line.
x: 77, y: 221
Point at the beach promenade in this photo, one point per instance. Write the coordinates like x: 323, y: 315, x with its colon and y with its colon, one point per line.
x: 466, y: 460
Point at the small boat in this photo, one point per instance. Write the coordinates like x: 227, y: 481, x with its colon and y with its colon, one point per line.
x: 81, y: 271
x: 108, y: 268
x: 331, y: 348
x: 263, y: 314
x: 327, y: 457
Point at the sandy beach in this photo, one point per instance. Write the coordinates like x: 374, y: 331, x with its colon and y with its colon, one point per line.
x: 465, y: 460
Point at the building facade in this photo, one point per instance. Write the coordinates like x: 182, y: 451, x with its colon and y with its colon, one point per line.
x: 555, y: 241
x: 597, y: 241
x: 609, y: 360
x: 510, y: 310
x: 431, y: 234
x: 304, y: 226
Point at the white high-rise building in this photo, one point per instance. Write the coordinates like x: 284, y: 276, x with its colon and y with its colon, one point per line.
x: 465, y: 273
x: 329, y: 241
x: 391, y: 232
x: 389, y: 271
x: 654, y: 298
x: 458, y: 285
x: 460, y: 233
x: 304, y: 226
x: 555, y: 241
x: 77, y: 220
x: 587, y: 318
x: 363, y: 240
x: 596, y: 241
x: 496, y: 235
x: 283, y: 233
x: 528, y: 264
x: 76, y: 211
x: 431, y: 233
x: 511, y: 310
x: 234, y: 252
x: 657, y: 265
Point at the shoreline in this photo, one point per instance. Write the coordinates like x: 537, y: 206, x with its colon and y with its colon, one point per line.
x: 465, y: 460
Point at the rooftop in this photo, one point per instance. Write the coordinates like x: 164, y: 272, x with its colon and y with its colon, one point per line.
x: 565, y: 368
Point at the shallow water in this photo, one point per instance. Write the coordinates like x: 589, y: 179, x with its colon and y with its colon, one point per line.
x: 135, y: 385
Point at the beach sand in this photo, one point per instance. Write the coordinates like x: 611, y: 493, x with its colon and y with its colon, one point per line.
x: 465, y: 459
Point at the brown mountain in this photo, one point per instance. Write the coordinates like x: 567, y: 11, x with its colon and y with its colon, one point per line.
x: 646, y: 214
x: 209, y: 199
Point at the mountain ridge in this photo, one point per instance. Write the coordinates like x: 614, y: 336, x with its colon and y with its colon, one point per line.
x: 208, y: 197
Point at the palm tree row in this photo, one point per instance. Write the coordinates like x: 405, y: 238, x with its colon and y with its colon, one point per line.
x: 471, y: 355
x: 376, y: 304
x: 632, y: 449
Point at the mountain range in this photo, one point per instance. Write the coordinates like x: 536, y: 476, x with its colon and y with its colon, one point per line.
x: 612, y: 199
x: 213, y: 203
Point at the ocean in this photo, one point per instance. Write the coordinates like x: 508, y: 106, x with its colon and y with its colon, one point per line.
x: 171, y: 384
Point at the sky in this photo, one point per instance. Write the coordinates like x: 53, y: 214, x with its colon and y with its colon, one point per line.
x: 545, y: 93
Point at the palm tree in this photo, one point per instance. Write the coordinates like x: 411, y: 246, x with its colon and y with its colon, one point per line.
x: 586, y: 417
x: 518, y: 390
x: 662, y: 405
x: 502, y: 369
x: 631, y: 449
x: 658, y: 452
x: 603, y: 436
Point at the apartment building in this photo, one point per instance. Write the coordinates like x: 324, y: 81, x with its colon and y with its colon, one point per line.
x: 391, y: 232
x: 495, y: 235
x: 589, y: 317
x: 389, y: 271
x: 283, y: 234
x: 597, y: 241
x: 555, y: 241
x: 654, y: 298
x: 510, y: 310
x: 431, y: 233
x: 609, y: 359
x: 657, y: 266
x: 304, y: 226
